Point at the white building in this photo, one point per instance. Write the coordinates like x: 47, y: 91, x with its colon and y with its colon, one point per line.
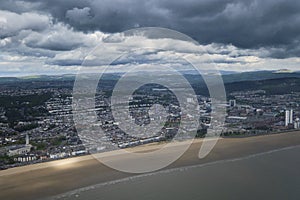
x: 232, y: 103
x: 288, y: 117
x: 297, y: 124
x: 20, y: 149
x: 25, y: 158
x: 190, y: 100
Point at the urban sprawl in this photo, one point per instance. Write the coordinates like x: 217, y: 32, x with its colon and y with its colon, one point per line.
x: 36, y: 123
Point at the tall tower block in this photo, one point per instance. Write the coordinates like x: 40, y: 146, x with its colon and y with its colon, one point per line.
x: 287, y: 117
x: 27, y: 140
x: 291, y: 116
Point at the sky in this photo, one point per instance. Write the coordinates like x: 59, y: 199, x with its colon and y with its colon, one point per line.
x: 55, y: 36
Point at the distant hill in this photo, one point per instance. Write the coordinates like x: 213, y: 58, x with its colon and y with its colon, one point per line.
x: 271, y: 86
x: 8, y: 79
x: 259, y: 75
x: 273, y: 82
x: 228, y: 76
x: 68, y: 77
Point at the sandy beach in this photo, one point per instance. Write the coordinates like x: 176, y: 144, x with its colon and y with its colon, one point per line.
x: 57, y: 177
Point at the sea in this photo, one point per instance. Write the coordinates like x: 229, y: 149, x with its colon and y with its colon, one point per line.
x: 270, y: 175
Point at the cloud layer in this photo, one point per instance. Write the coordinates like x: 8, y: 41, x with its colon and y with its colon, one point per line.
x: 239, y: 35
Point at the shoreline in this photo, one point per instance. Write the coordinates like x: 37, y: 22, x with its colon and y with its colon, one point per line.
x: 141, y: 148
x: 70, y: 160
x: 60, y: 176
x: 134, y: 148
x: 157, y: 144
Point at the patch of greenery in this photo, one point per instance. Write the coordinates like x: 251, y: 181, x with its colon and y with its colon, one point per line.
x: 57, y: 141
x: 7, y: 160
x: 26, y: 127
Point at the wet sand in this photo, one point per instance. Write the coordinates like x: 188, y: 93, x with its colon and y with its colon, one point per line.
x: 57, y: 177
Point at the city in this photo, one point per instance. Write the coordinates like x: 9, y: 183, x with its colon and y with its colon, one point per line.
x: 42, y: 129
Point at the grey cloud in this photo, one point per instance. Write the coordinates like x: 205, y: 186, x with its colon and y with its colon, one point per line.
x: 12, y: 23
x: 248, y: 24
x: 19, y: 6
x: 15, y: 45
x: 245, y: 24
x: 56, y: 38
x: 80, y: 16
x: 37, y: 31
x: 66, y: 62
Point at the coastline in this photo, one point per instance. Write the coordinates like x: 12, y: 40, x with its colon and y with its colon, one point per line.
x: 141, y: 148
x: 275, y: 183
x: 60, y: 176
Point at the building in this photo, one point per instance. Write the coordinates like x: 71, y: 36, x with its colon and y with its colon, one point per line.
x: 291, y: 116
x: 20, y: 149
x: 25, y: 158
x: 297, y: 123
x: 190, y: 100
x: 232, y: 103
x: 288, y: 117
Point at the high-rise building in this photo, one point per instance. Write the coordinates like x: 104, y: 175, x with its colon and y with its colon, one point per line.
x: 27, y: 140
x: 297, y: 123
x: 291, y: 116
x: 288, y: 117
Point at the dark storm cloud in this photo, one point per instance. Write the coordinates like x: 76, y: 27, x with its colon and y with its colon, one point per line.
x: 18, y: 6
x: 245, y: 24
x: 67, y: 62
